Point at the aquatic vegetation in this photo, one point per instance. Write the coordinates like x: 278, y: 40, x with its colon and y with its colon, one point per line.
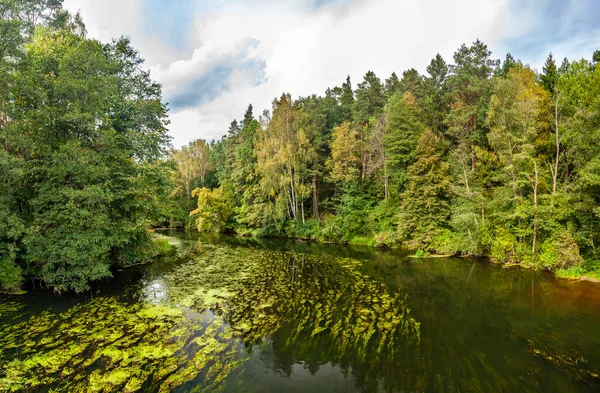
x: 122, y: 348
x: 198, y: 321
x: 575, y: 367
x: 162, y: 244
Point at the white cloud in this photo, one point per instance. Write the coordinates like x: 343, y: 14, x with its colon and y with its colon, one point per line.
x: 306, y: 49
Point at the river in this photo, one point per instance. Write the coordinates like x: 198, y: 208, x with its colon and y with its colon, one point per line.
x: 228, y: 314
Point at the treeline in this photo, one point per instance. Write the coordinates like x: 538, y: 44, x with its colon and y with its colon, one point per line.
x: 82, y: 156
x: 477, y: 157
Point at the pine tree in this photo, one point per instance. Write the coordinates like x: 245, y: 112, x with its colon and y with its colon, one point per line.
x: 402, y: 133
x: 549, y: 75
x: 425, y: 207
x: 392, y: 85
x: 434, y: 99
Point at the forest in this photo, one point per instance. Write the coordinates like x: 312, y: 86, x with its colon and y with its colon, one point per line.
x: 477, y: 157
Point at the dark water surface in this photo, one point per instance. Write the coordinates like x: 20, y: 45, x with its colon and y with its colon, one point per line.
x: 247, y: 315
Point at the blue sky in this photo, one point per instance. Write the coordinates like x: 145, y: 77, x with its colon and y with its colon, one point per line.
x: 214, y: 57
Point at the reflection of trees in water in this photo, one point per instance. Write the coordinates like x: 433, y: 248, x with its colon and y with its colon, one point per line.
x: 320, y: 311
x: 476, y: 322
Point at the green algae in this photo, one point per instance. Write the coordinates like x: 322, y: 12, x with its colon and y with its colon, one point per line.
x: 199, y: 320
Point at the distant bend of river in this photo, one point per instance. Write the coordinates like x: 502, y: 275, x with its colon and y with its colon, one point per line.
x: 230, y: 314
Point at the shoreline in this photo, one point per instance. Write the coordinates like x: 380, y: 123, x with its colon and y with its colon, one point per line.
x: 369, y: 244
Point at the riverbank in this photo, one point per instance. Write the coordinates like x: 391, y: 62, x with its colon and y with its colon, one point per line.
x: 587, y: 271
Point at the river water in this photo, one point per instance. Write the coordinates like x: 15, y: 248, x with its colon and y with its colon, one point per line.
x: 246, y: 315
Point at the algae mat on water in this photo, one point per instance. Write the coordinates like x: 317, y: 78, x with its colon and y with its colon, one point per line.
x: 197, y: 322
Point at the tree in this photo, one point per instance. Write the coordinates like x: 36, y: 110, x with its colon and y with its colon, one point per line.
x: 434, y: 95
x: 515, y: 119
x: 402, y: 132
x: 549, y: 75
x: 392, y: 85
x: 193, y: 163
x: 345, y: 155
x: 370, y: 98
x: 213, y: 210
x: 508, y: 64
x: 411, y: 82
x: 284, y: 154
x: 84, y: 135
x: 470, y: 87
x: 425, y: 203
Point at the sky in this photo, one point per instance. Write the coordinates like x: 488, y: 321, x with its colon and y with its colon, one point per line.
x: 214, y: 57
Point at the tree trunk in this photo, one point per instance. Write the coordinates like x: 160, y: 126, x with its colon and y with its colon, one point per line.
x: 482, y: 210
x: 363, y: 154
x: 4, y: 123
x: 557, y: 139
x: 387, y: 188
x: 535, y: 183
x: 472, y: 156
x: 315, y: 200
x: 293, y: 196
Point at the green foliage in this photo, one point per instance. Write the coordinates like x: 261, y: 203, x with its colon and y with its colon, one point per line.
x: 383, y: 217
x: 425, y: 209
x: 421, y: 253
x: 213, y: 210
x: 11, y: 275
x: 560, y: 252
x: 351, y: 215
x: 473, y: 158
x: 163, y: 245
x: 83, y: 131
x: 571, y: 273
x: 311, y: 229
x: 400, y: 139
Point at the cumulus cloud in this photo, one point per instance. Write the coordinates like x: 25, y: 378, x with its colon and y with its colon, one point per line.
x: 210, y: 72
x: 216, y: 57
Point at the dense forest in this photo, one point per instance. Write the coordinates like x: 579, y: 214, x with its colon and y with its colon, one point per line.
x: 477, y: 157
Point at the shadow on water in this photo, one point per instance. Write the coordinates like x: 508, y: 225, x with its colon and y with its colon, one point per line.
x: 264, y: 315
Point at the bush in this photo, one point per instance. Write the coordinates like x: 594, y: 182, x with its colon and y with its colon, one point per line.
x: 504, y: 246
x: 310, y: 230
x: 331, y: 230
x: 213, y: 210
x: 386, y: 239
x: 421, y: 254
x: 560, y: 252
x: 384, y: 217
x: 449, y: 242
x: 10, y: 275
x: 362, y: 241
x: 573, y: 273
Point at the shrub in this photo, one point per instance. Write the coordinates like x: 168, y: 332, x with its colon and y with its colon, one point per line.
x: 362, y: 241
x: 10, y: 275
x: 449, y: 242
x: 213, y: 210
x: 560, y: 252
x: 384, y: 217
x: 310, y: 230
x: 503, y: 246
x: 386, y: 239
x: 574, y: 272
x: 421, y: 253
